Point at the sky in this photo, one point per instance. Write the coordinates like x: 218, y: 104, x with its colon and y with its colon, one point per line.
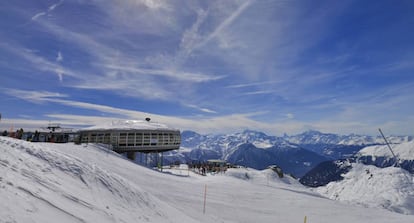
x: 210, y: 66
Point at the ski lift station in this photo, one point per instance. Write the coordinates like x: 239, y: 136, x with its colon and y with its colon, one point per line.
x: 133, y: 136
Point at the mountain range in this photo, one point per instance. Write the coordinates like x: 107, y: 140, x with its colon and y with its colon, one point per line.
x: 402, y: 156
x: 296, y: 154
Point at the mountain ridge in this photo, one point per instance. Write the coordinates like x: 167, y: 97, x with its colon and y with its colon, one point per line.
x: 258, y: 150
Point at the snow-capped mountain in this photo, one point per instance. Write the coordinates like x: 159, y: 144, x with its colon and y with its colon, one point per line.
x: 248, y: 148
x: 335, y: 146
x: 292, y: 159
x: 371, y: 177
x: 378, y: 155
x: 391, y: 188
x: 315, y: 137
x: 326, y: 172
x: 296, y: 154
x: 381, y: 156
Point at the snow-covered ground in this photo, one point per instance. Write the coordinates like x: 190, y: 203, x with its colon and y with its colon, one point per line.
x: 391, y: 188
x: 41, y: 182
x: 404, y: 151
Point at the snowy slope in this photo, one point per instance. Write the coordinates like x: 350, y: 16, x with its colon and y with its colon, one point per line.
x: 46, y: 182
x: 381, y: 156
x: 378, y: 155
x: 391, y: 188
x: 43, y: 182
x: 404, y: 151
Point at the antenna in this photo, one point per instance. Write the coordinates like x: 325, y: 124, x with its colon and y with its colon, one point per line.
x: 389, y: 147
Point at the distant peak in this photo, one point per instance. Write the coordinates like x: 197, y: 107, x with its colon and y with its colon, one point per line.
x: 249, y: 131
x: 312, y: 131
x: 189, y: 133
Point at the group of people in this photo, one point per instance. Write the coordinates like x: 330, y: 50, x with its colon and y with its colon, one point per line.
x: 36, y: 136
x: 18, y: 134
x: 204, y: 168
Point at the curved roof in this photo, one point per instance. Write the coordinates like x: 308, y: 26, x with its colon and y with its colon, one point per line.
x: 129, y: 125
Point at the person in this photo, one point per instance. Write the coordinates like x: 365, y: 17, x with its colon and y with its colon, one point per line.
x: 19, y: 133
x: 5, y: 133
x: 51, y: 138
x: 203, y: 170
x: 36, y: 136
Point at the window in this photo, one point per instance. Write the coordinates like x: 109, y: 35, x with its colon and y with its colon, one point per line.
x: 107, y: 138
x: 160, y: 139
x: 147, y: 137
x: 131, y: 139
x: 122, y: 139
x: 166, y: 139
x: 138, y: 139
x: 171, y: 138
x: 154, y: 139
x: 100, y: 138
x: 84, y: 138
x: 93, y: 138
x: 114, y: 140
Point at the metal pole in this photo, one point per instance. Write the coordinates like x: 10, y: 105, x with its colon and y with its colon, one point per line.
x: 205, y: 197
x: 162, y: 160
x: 389, y: 147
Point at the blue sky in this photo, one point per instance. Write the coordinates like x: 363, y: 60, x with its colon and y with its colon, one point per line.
x: 210, y: 66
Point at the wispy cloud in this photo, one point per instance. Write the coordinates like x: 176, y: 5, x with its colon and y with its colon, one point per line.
x: 59, y: 57
x: 40, y: 63
x: 53, y: 97
x: 52, y: 7
x: 206, y: 110
x: 49, y: 9
x: 38, y: 15
x: 252, y: 84
x: 256, y: 93
x: 218, y: 31
x: 212, y: 59
x: 179, y: 75
x: 34, y: 96
x: 290, y: 116
x: 120, y: 71
x: 222, y: 123
x: 225, y: 123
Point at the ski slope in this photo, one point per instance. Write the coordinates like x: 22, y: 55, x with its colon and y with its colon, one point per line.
x: 41, y: 182
x: 391, y: 188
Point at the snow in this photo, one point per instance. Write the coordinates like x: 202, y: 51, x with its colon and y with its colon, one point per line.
x: 264, y: 177
x: 391, y: 188
x: 404, y: 151
x: 315, y: 137
x: 44, y: 182
x: 129, y: 125
x: 263, y: 144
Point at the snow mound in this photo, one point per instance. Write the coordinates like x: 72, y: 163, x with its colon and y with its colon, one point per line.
x: 391, y: 188
x: 404, y: 151
x: 45, y: 184
x: 261, y: 176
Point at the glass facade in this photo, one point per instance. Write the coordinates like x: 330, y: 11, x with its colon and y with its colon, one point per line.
x: 134, y: 140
